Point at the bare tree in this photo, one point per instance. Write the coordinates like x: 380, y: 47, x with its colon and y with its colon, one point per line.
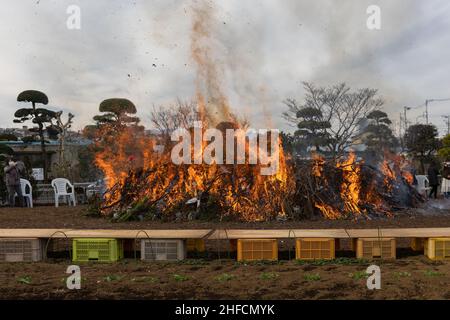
x: 63, y: 127
x: 181, y: 114
x: 60, y: 131
x: 291, y: 114
x: 342, y: 108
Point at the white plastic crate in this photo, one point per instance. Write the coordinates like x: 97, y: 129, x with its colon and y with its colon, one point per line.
x: 21, y: 250
x: 163, y: 250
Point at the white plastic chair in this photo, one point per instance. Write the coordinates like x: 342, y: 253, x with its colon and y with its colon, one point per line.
x: 445, y: 186
x: 60, y: 187
x: 423, y: 184
x: 29, y: 196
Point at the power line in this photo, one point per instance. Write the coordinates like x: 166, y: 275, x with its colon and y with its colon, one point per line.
x: 432, y: 100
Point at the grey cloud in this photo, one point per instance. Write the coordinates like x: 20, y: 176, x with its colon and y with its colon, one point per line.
x: 265, y: 48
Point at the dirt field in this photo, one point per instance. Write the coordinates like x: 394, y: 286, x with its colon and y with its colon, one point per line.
x: 411, y: 276
x: 433, y: 214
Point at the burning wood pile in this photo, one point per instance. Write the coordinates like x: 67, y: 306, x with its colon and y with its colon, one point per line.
x: 144, y: 183
x: 349, y: 188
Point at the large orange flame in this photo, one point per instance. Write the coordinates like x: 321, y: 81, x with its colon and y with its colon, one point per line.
x: 351, y: 184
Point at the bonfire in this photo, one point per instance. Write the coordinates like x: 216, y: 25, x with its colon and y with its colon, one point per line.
x: 143, y: 182
x: 350, y: 188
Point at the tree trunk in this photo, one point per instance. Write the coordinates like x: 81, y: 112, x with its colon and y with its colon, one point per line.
x: 422, y: 164
x: 43, y: 151
x: 61, y: 148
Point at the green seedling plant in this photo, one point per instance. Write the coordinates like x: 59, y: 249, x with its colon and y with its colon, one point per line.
x: 432, y: 273
x: 338, y: 261
x: 145, y: 279
x: 25, y: 280
x: 180, y: 278
x: 312, y: 277
x: 260, y: 263
x: 402, y: 274
x: 269, y: 276
x: 358, y: 275
x: 225, y: 277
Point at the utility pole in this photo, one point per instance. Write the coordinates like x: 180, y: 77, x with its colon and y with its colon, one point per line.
x: 448, y: 123
x: 405, y: 118
x: 400, y: 136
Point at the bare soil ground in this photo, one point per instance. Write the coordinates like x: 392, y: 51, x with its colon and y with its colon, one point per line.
x: 408, y: 278
x: 411, y: 276
x: 433, y: 214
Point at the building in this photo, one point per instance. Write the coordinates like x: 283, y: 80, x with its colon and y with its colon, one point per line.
x: 30, y: 153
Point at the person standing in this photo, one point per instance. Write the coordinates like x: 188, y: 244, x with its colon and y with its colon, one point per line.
x: 445, y: 188
x: 433, y: 178
x: 12, y: 180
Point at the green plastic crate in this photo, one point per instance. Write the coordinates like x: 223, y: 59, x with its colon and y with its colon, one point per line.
x: 100, y: 250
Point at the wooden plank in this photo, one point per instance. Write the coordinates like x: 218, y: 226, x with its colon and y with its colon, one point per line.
x: 120, y: 234
x: 399, y: 233
x: 228, y: 234
x: 331, y: 233
x: 32, y: 233
x: 416, y: 232
x: 140, y: 234
x: 278, y: 234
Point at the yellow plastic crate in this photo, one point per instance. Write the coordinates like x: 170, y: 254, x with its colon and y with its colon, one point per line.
x: 417, y: 244
x: 197, y: 245
x: 437, y: 248
x: 315, y: 248
x: 257, y: 249
x: 376, y: 248
x: 97, y: 249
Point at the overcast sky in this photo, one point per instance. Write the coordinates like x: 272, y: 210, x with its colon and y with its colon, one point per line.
x: 141, y: 50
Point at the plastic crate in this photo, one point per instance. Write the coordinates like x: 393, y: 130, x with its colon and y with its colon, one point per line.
x: 163, y: 250
x: 417, y: 244
x: 197, y: 245
x: 437, y: 248
x: 376, y: 248
x: 257, y: 249
x: 21, y: 250
x: 315, y: 248
x: 100, y: 250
